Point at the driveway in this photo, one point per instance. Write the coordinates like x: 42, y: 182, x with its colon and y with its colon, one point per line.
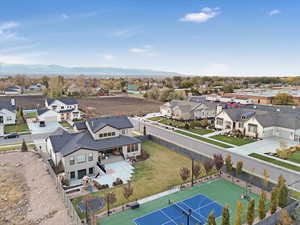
x: 49, y: 128
x: 262, y: 146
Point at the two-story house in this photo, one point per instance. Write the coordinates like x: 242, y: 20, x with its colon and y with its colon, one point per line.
x: 7, y: 114
x: 66, y: 108
x: 87, y: 152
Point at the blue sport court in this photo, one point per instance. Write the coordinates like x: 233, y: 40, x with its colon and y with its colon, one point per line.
x: 198, y: 207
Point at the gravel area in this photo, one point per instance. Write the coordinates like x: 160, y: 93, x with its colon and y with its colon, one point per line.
x: 27, y: 192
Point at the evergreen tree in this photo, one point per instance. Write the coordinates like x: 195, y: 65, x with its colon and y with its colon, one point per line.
x: 239, y: 212
x: 225, y: 216
x: 24, y: 147
x: 274, y: 201
x: 228, y: 163
x: 250, y: 213
x: 211, y: 220
x: 261, y: 205
x: 283, y: 196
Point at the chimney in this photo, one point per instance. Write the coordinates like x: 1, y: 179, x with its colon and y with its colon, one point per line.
x: 219, y: 109
x: 12, y: 102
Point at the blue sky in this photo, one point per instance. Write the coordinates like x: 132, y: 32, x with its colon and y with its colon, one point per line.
x: 222, y: 37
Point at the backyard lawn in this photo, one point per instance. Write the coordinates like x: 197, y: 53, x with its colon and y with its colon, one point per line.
x: 31, y: 115
x: 203, y: 139
x: 147, y: 179
x: 16, y: 128
x: 233, y: 140
x: 66, y: 125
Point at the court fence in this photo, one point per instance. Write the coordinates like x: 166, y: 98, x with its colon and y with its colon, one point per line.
x: 59, y: 188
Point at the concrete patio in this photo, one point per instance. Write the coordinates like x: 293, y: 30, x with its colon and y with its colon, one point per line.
x: 35, y: 128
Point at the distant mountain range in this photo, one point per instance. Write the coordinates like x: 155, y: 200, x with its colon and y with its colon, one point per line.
x: 35, y: 70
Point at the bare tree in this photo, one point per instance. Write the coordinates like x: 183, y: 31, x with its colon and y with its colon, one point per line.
x: 219, y: 161
x: 127, y: 191
x: 184, y: 173
x: 208, y: 165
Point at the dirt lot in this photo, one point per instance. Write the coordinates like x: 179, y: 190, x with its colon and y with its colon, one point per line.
x: 119, y: 105
x: 27, y: 192
x: 27, y: 102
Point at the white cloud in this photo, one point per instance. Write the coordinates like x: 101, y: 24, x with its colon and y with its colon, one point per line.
x: 274, y: 12
x: 126, y: 33
x: 146, y: 48
x: 7, y: 31
x: 64, y: 16
x: 109, y: 57
x: 201, y: 17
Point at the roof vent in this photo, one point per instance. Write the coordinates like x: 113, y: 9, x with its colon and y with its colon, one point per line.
x: 294, y: 107
x: 278, y: 110
x: 254, y: 106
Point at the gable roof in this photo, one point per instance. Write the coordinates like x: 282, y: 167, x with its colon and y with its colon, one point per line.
x: 42, y: 111
x: 4, y: 104
x: 118, y: 122
x: 67, y: 143
x: 12, y: 88
x: 67, y: 101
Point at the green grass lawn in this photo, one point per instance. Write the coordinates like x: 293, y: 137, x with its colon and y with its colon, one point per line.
x: 31, y: 115
x: 214, y: 190
x: 155, y: 118
x: 200, y: 131
x: 66, y: 125
x: 16, y: 128
x: 233, y: 140
x: 294, y: 157
x: 173, y: 123
x: 203, y: 139
x: 276, y: 162
x: 154, y: 175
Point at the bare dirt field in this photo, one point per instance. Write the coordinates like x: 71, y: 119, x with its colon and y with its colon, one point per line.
x: 27, y: 102
x: 123, y: 105
x: 27, y: 192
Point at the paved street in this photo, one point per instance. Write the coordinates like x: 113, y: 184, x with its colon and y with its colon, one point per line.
x: 209, y: 150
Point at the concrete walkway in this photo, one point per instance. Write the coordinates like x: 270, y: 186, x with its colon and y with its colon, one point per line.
x: 215, y: 133
x: 262, y: 146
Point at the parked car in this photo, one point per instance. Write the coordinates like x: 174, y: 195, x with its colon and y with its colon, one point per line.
x: 11, y: 135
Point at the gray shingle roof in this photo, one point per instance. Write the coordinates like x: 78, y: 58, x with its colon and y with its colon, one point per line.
x: 80, y: 125
x: 67, y: 143
x: 42, y: 111
x: 67, y: 101
x: 267, y: 118
x: 118, y: 122
x: 7, y: 105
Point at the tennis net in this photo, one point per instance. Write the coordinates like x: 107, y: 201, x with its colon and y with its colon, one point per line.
x: 188, y: 212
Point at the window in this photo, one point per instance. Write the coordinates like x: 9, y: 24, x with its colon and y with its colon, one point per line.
x: 240, y: 125
x: 101, y: 135
x: 81, y: 159
x: 62, y: 107
x: 90, y: 156
x: 220, y: 121
x: 108, y: 134
x: 132, y: 147
x: 105, y: 135
x: 72, y: 160
x: 113, y: 133
x: 91, y: 170
x: 72, y: 175
x: 252, y: 128
x: 123, y: 131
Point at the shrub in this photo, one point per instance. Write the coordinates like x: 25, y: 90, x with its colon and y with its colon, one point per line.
x: 100, y: 186
x: 117, y: 182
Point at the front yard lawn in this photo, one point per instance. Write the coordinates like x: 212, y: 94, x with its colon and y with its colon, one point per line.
x: 200, y: 131
x: 295, y: 157
x: 155, y: 118
x: 173, y: 123
x: 16, y: 128
x: 154, y: 175
x: 276, y: 162
x: 203, y: 139
x: 233, y: 140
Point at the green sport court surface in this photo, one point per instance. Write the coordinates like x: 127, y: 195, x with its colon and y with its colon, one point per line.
x: 220, y: 190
